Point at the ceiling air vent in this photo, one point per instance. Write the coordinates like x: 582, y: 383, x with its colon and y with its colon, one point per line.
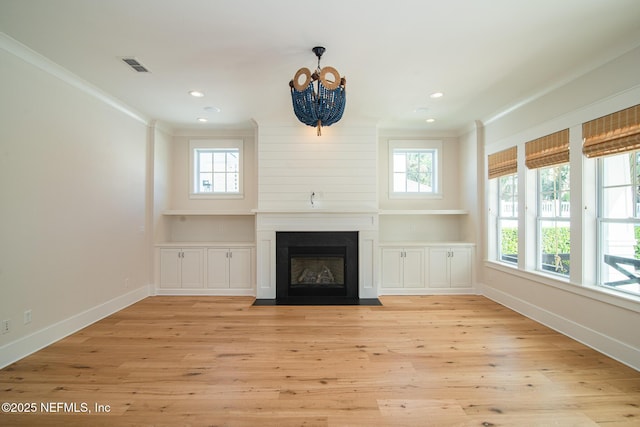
x: 133, y: 63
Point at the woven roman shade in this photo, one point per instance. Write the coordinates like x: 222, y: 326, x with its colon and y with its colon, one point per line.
x: 615, y: 133
x: 504, y: 162
x: 547, y: 151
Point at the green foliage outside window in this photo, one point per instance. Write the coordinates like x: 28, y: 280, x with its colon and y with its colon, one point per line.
x: 554, y: 240
x: 509, y: 241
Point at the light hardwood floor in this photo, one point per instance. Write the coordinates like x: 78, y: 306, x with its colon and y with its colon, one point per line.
x: 423, y: 361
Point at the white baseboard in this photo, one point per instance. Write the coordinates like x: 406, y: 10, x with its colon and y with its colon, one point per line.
x: 611, y: 347
x: 22, y: 347
x: 205, y: 292
x: 428, y: 291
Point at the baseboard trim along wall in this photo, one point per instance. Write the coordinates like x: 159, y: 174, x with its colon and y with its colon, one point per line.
x: 205, y: 292
x: 606, y: 345
x: 25, y: 346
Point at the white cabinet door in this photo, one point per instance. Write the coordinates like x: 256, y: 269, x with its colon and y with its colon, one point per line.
x: 413, y: 269
x: 392, y: 266
x: 450, y: 267
x: 229, y: 268
x: 240, y: 268
x: 460, y: 267
x: 181, y: 268
x: 170, y: 261
x: 402, y: 268
x: 439, y: 267
x: 217, y: 268
x: 191, y: 267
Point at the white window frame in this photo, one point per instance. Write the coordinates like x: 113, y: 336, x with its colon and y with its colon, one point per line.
x: 227, y: 144
x: 633, y: 220
x: 417, y: 145
x: 557, y: 219
x: 501, y: 217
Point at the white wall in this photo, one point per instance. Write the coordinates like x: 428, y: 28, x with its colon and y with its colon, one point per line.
x: 472, y: 181
x: 340, y: 167
x: 162, y: 184
x: 601, y: 319
x: 73, y: 214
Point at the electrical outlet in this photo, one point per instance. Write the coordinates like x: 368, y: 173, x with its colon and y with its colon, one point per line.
x: 6, y: 326
x: 126, y: 283
x: 27, y: 317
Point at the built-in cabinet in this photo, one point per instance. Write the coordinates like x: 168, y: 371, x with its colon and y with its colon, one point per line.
x: 450, y: 267
x: 403, y: 267
x: 421, y: 253
x: 207, y: 253
x: 229, y: 268
x: 181, y: 268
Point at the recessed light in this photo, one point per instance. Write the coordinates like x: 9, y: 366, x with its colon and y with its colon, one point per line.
x: 196, y: 93
x: 202, y: 119
x: 436, y: 95
x: 420, y: 110
x: 212, y: 109
x: 430, y: 120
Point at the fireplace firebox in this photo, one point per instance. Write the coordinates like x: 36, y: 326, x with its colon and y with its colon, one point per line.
x: 317, y: 267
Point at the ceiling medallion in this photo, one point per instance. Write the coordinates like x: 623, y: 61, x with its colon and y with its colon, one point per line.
x: 319, y: 98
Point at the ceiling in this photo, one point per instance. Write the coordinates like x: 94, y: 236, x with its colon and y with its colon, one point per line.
x: 485, y: 56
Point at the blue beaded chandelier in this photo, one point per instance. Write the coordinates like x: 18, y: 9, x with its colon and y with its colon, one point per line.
x: 320, y: 98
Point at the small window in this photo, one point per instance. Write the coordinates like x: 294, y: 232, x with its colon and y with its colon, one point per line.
x: 414, y: 168
x: 216, y: 169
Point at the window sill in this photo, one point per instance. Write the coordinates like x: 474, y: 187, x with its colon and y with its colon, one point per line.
x: 218, y: 196
x: 598, y: 293
x: 415, y: 196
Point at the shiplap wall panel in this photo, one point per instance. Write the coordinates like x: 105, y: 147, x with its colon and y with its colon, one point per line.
x: 340, y: 167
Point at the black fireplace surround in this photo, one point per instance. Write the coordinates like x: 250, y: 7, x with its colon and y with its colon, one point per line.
x: 317, y: 267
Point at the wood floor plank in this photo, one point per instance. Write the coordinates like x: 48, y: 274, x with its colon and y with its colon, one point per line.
x: 415, y: 361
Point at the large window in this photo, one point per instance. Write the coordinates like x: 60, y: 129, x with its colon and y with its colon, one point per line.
x: 415, y: 168
x: 619, y: 221
x: 554, y: 219
x: 216, y: 168
x: 507, y: 221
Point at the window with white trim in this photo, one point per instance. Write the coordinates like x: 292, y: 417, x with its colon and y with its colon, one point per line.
x: 216, y: 168
x: 415, y: 168
x: 507, y: 220
x: 554, y: 219
x: 619, y: 221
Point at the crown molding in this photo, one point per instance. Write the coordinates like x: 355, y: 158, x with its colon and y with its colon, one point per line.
x: 37, y: 60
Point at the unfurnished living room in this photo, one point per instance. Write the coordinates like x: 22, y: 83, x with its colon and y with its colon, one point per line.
x: 348, y: 213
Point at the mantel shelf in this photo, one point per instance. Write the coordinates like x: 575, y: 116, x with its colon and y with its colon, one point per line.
x: 187, y: 212
x: 313, y: 211
x: 425, y: 212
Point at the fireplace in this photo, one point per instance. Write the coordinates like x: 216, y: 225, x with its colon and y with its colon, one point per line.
x: 317, y: 267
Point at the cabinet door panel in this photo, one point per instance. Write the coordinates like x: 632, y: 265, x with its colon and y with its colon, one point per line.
x: 460, y: 268
x: 240, y: 269
x: 391, y: 268
x: 192, y: 268
x: 438, y: 267
x: 413, y: 268
x: 217, y: 268
x: 170, y: 268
